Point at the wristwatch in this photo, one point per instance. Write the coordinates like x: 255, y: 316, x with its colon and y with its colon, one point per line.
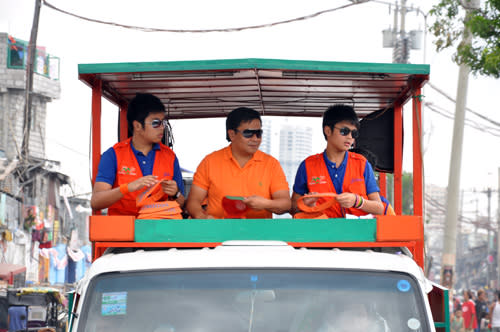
x: 177, y: 194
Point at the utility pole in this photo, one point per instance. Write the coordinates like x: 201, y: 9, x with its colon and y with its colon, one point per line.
x: 450, y: 231
x: 488, y: 248
x: 397, y: 37
x: 498, y: 234
x: 29, y: 83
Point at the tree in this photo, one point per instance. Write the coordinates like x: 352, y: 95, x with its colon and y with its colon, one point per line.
x: 407, y: 191
x: 483, y: 56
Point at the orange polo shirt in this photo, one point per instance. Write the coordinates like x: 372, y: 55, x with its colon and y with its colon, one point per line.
x: 221, y: 175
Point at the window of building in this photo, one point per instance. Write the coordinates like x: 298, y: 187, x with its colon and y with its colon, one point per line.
x: 17, y: 57
x: 17, y: 53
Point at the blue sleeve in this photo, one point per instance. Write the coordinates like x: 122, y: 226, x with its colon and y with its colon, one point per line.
x: 370, y: 181
x: 300, y: 185
x: 107, y: 167
x: 178, y: 176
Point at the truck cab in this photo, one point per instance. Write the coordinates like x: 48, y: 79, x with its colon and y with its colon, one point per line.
x: 264, y: 274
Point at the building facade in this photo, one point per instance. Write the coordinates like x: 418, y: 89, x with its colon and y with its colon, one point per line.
x: 295, y: 146
x: 32, y: 211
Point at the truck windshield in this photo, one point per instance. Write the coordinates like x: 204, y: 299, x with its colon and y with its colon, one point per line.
x: 275, y: 300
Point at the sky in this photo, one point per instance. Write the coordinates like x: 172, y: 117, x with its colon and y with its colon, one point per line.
x: 353, y: 34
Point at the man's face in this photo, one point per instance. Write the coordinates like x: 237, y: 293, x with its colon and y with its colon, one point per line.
x: 153, y: 129
x: 246, y: 145
x: 340, y: 137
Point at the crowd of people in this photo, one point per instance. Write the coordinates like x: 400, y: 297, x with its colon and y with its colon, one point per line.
x: 238, y: 170
x: 476, y: 312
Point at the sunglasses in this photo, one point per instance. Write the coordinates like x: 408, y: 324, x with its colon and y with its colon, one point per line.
x: 158, y: 123
x: 248, y: 133
x: 344, y: 131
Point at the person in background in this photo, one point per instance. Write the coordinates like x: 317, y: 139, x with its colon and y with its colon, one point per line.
x: 457, y: 322
x: 494, y: 314
x: 17, y: 318
x: 469, y: 312
x: 339, y: 171
x: 138, y: 162
x: 481, y: 309
x: 240, y: 169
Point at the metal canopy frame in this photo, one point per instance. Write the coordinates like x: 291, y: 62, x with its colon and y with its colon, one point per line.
x: 212, y: 88
x: 202, y: 89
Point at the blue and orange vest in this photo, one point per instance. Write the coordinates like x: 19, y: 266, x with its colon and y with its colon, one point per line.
x: 128, y: 170
x: 318, y: 180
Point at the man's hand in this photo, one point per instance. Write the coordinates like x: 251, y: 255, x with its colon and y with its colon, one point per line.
x: 256, y: 202
x: 310, y: 201
x: 169, y: 187
x: 145, y: 181
x: 346, y: 200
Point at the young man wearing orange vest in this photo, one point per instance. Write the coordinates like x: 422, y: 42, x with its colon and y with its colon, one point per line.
x: 138, y: 162
x: 339, y: 171
x: 240, y: 169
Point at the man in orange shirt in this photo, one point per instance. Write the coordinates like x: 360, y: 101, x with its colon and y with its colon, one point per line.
x: 240, y: 169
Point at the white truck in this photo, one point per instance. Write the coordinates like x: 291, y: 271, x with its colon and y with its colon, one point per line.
x: 276, y: 275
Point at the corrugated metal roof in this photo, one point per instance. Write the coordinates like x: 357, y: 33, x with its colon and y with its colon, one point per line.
x: 200, y: 89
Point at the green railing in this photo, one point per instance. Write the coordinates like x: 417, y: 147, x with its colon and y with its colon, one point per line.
x: 289, y: 230
x: 45, y: 64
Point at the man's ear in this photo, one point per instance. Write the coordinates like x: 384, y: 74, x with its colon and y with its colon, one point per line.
x: 231, y: 134
x: 327, y: 131
x: 137, y: 125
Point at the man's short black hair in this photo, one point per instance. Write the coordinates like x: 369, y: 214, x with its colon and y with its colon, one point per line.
x: 141, y: 106
x: 238, y: 116
x: 338, y: 113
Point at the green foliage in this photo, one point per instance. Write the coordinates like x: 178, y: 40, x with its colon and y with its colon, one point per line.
x: 483, y: 56
x: 407, y: 192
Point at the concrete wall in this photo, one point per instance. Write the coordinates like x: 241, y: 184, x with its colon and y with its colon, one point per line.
x: 12, y: 96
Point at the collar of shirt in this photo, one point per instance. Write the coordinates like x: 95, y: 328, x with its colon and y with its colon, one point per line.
x: 257, y: 156
x: 330, y: 164
x: 155, y: 147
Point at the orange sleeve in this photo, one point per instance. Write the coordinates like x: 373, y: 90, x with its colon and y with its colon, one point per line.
x: 201, y: 177
x: 278, y: 179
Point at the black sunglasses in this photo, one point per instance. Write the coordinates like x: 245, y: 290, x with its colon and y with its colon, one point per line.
x: 248, y: 133
x: 344, y: 131
x: 157, y: 123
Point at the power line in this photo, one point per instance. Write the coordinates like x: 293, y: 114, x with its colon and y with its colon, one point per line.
x: 260, y: 26
x: 449, y: 115
x: 467, y: 108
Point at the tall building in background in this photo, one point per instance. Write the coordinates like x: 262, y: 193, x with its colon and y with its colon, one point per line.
x: 267, y: 127
x: 295, y: 146
x: 287, y: 142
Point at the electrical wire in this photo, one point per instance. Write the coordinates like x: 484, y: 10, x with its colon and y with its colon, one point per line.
x: 437, y: 207
x: 467, y: 108
x: 449, y: 115
x: 235, y: 29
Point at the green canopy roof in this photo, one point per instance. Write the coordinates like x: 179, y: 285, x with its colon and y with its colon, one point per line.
x: 212, y: 88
